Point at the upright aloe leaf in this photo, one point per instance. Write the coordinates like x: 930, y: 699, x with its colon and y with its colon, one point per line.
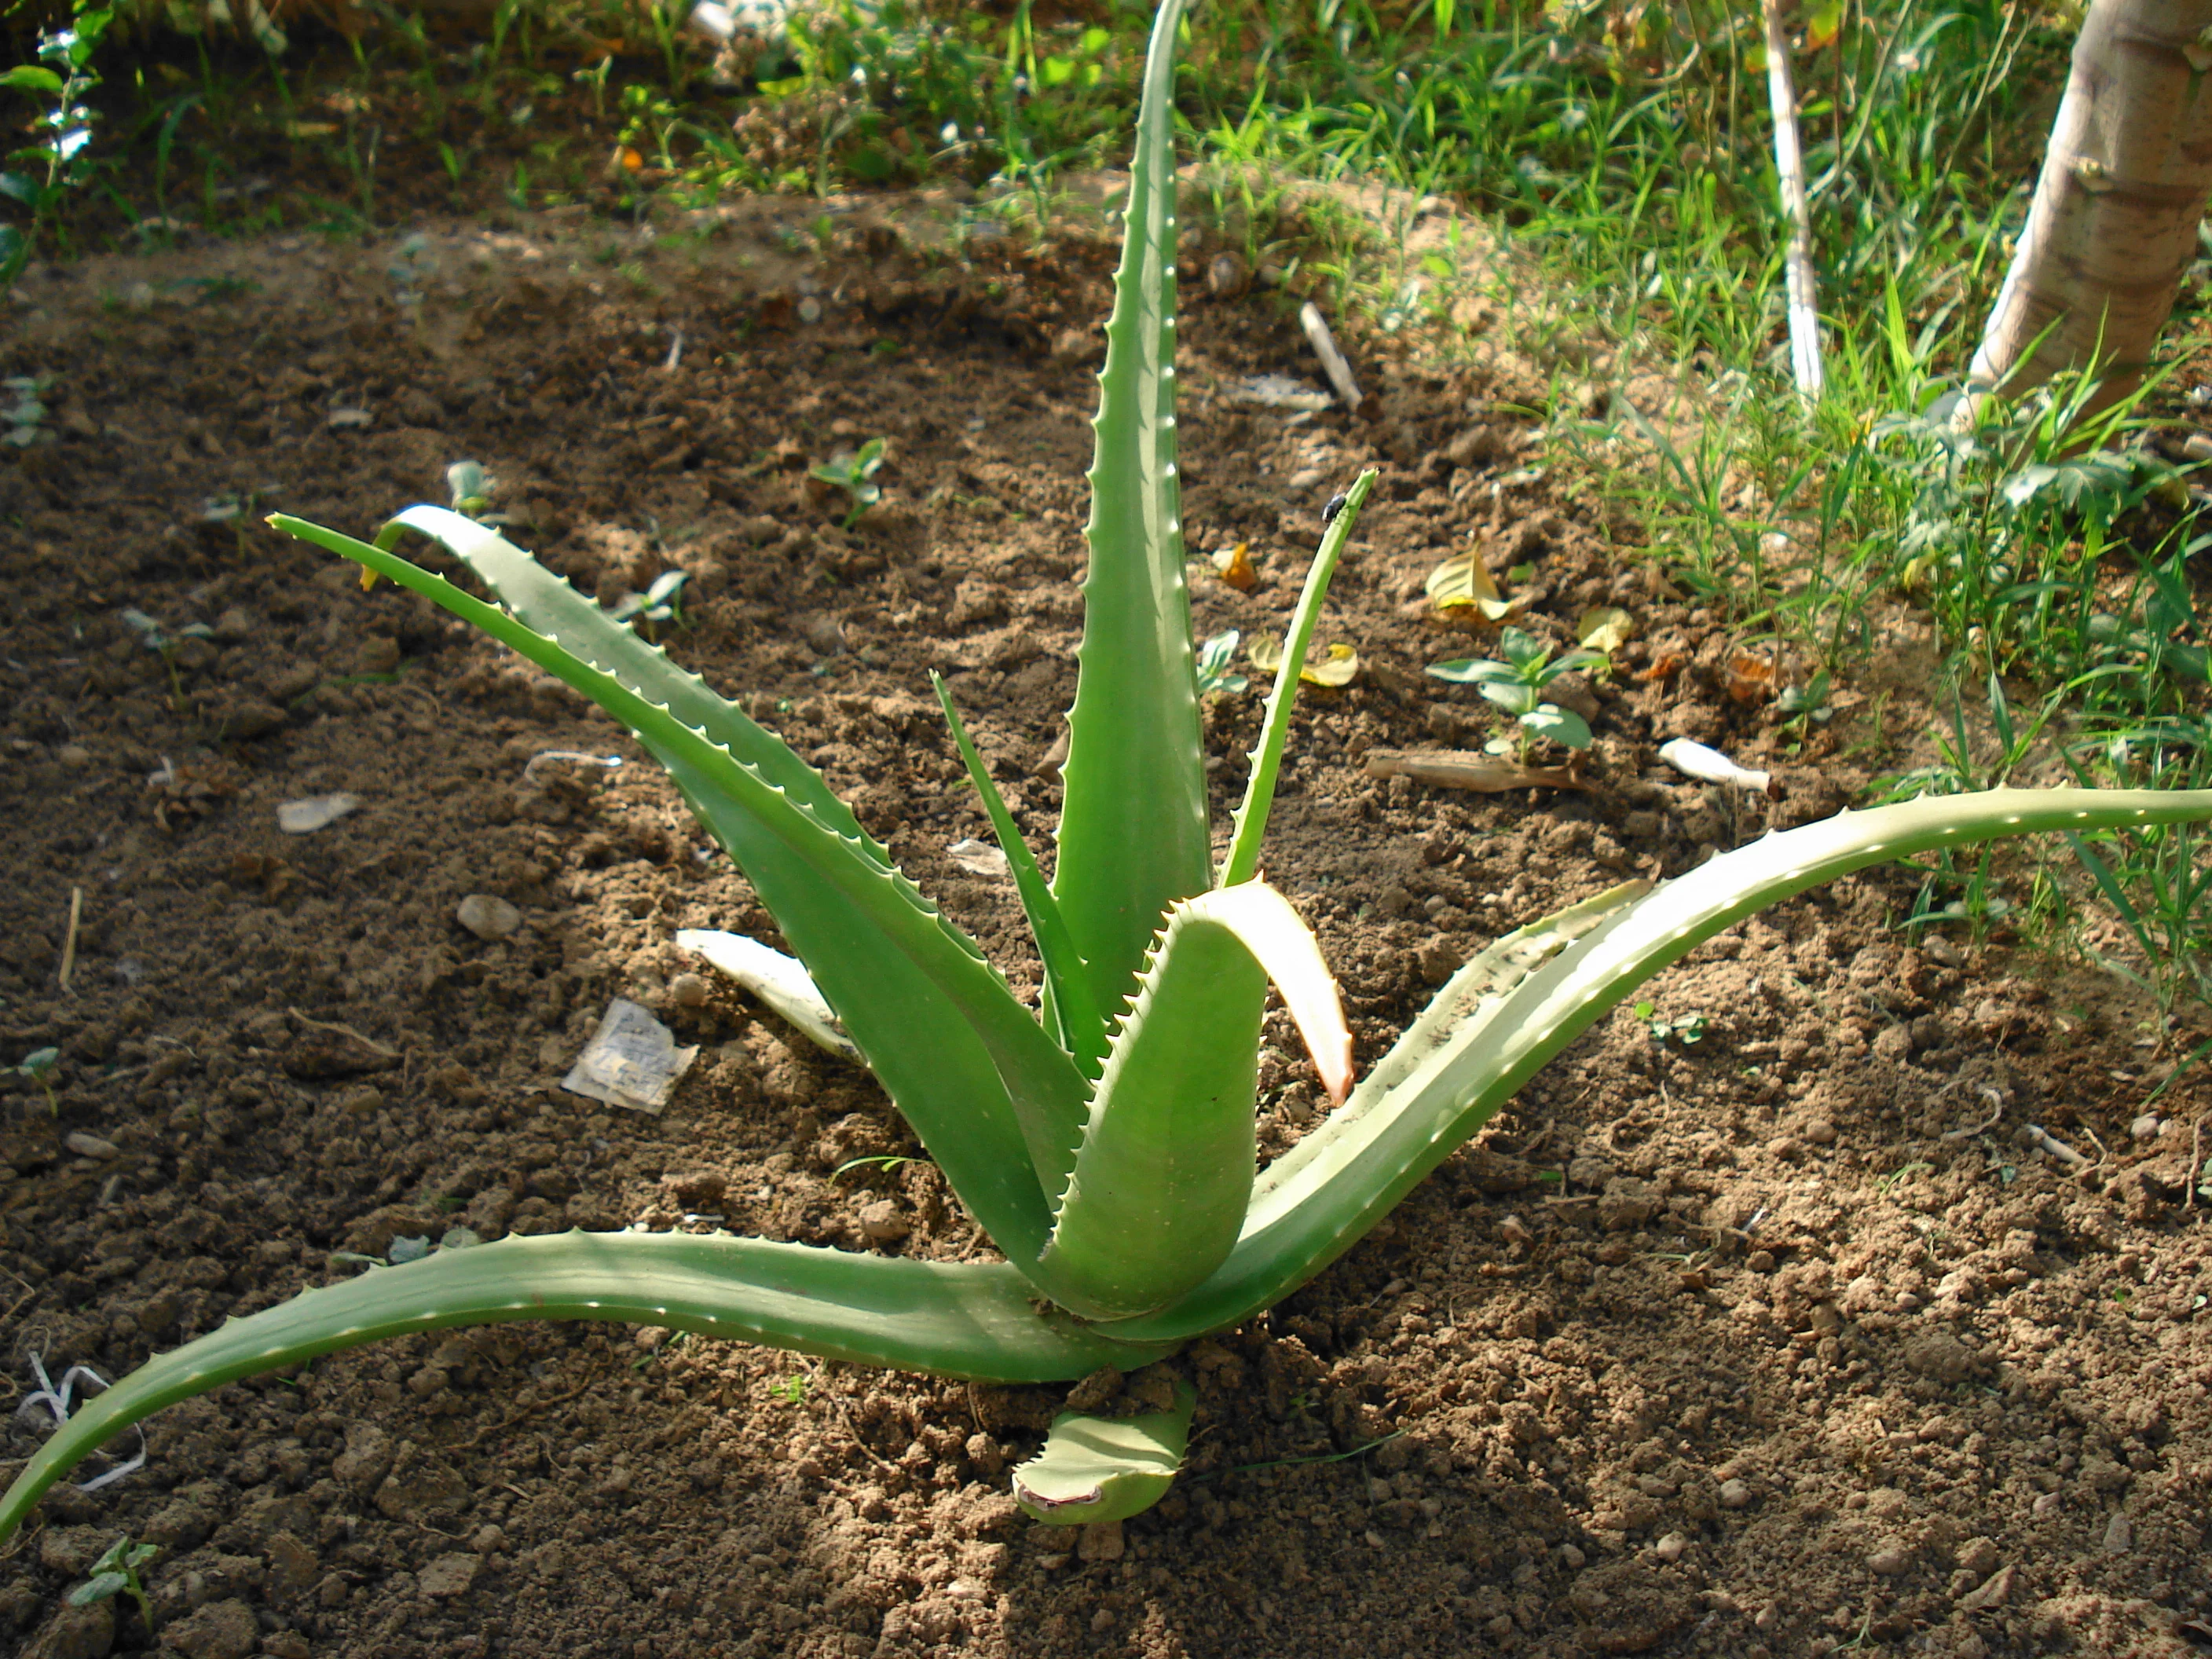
x: 974, y: 1320
x: 991, y: 1096
x: 1443, y: 1082
x: 1133, y: 834
x: 1164, y: 1174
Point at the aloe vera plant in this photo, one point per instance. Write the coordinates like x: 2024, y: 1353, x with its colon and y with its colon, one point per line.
x: 1105, y: 1139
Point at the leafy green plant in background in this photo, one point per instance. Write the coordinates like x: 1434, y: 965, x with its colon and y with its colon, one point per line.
x: 116, y: 1573
x: 1105, y: 1140
x: 39, y: 1066
x: 1516, y: 682
x: 853, y: 472
x: 41, y: 175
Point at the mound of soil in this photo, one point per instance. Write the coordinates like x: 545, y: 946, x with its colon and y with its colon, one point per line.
x: 1754, y: 1328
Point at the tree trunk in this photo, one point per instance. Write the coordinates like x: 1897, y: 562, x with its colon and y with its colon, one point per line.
x: 2114, y: 221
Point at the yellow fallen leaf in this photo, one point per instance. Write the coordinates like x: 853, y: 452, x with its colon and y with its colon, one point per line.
x: 1463, y: 578
x: 1339, y: 666
x: 1235, y: 567
x: 1606, y: 629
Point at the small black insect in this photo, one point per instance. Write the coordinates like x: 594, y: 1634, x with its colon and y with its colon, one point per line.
x: 1335, y: 506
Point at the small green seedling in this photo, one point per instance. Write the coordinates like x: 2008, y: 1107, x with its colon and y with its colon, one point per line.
x: 660, y: 606
x: 1214, y: 657
x: 39, y: 1066
x: 468, y: 487
x: 116, y: 1573
x: 1516, y: 685
x: 155, y: 637
x: 886, y: 1162
x: 789, y: 1390
x: 854, y: 471
x: 1806, y: 705
x: 1685, y: 1029
x: 23, y: 409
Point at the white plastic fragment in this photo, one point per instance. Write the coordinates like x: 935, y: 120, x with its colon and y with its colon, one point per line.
x: 302, y: 818
x: 56, y: 1397
x: 342, y: 418
x: 979, y: 858
x: 1694, y: 760
x: 530, y: 771
x: 780, y: 980
x: 1278, y: 391
x: 632, y: 1061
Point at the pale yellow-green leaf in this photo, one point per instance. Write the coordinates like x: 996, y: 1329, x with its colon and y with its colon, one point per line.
x: 1462, y: 580
x: 1606, y: 629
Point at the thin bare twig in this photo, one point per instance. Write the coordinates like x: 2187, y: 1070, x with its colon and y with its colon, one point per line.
x: 69, y: 944
x: 1789, y: 163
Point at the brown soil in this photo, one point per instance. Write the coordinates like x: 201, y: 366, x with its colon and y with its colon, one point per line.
x: 1775, y: 1343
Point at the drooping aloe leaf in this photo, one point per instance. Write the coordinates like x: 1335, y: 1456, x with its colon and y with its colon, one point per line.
x: 973, y: 1319
x: 1241, y: 862
x: 1438, y: 1087
x: 1133, y: 835
x: 1105, y: 1468
x: 1164, y: 1174
x: 989, y: 1094
x: 1071, y: 1008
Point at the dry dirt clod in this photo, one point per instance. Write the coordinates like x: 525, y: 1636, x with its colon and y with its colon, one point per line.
x: 1101, y: 1540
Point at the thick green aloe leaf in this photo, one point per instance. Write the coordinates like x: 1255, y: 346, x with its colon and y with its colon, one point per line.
x: 1105, y: 1468
x: 990, y: 1095
x: 1241, y: 862
x: 1070, y: 1011
x: 973, y: 1319
x: 1164, y: 1174
x: 1133, y: 836
x: 1440, y: 1086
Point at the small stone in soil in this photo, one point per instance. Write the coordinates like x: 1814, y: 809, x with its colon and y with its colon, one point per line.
x: 689, y: 991
x: 1670, y: 1548
x: 487, y: 917
x: 883, y: 1224
x: 1735, y: 1495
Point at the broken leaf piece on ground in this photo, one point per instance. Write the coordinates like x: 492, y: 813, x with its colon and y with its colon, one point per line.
x: 632, y: 1061
x: 1098, y: 1468
x: 1694, y: 760
x: 1338, y: 665
x: 1462, y: 581
x: 301, y: 817
x: 1463, y: 768
x: 1606, y: 628
x: 979, y: 858
x: 1234, y: 566
x: 780, y: 980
